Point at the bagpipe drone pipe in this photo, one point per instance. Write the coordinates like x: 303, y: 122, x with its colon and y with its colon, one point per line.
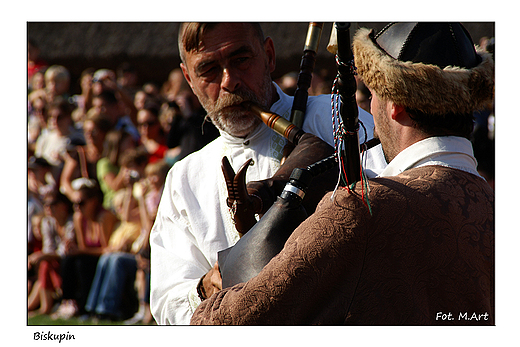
x: 310, y: 171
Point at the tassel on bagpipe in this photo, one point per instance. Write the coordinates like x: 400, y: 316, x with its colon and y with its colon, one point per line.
x: 347, y: 134
x: 282, y: 196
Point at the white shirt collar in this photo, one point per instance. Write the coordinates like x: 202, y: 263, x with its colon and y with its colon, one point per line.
x: 259, y: 131
x: 449, y: 151
x: 284, y: 100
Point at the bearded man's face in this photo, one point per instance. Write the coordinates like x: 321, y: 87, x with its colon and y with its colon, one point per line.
x: 230, y: 68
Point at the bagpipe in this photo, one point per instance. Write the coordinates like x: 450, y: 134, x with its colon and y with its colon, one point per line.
x: 312, y: 168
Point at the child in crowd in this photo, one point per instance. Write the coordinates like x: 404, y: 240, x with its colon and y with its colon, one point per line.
x: 58, y: 239
x: 148, y: 193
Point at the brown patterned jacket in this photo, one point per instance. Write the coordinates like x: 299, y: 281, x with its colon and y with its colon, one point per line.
x: 424, y: 256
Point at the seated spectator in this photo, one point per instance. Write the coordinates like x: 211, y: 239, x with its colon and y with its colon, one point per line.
x: 148, y: 193
x: 140, y: 99
x: 151, y: 191
x: 52, y: 144
x: 108, y: 104
x: 109, y: 174
x: 169, y: 114
x: 81, y: 160
x: 93, y: 227
x: 34, y: 245
x: 104, y: 80
x: 37, y: 81
x: 83, y: 101
x: 58, y: 239
x: 57, y: 83
x: 40, y: 183
x: 152, y: 137
x: 36, y: 119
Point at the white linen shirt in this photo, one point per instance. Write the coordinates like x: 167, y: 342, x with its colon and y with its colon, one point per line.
x: 193, y: 221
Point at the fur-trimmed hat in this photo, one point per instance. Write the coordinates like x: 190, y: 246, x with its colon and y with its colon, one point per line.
x: 430, y: 67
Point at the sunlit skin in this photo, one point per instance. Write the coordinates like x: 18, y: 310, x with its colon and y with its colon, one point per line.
x: 393, y: 126
x: 231, y: 67
x: 378, y: 109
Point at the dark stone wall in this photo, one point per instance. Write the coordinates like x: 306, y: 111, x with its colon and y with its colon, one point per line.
x: 152, y: 47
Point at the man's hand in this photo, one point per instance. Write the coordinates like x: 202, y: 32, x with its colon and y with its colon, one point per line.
x: 212, y: 281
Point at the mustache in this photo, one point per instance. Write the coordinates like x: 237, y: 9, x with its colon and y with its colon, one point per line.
x: 236, y: 98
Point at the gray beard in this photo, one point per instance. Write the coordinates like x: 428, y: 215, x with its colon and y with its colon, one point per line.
x: 239, y: 121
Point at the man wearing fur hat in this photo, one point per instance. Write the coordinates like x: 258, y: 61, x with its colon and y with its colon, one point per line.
x: 420, y: 249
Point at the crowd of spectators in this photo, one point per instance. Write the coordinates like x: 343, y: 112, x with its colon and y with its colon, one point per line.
x: 97, y: 161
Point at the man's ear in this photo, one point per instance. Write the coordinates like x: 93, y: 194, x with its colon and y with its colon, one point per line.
x: 186, y: 74
x: 397, y: 112
x: 271, y: 55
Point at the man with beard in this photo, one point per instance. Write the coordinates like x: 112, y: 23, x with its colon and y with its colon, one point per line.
x: 419, y: 248
x: 226, y: 65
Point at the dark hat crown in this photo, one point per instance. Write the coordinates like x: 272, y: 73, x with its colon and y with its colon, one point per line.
x: 441, y: 44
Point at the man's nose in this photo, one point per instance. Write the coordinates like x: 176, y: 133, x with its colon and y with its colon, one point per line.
x: 230, y: 80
